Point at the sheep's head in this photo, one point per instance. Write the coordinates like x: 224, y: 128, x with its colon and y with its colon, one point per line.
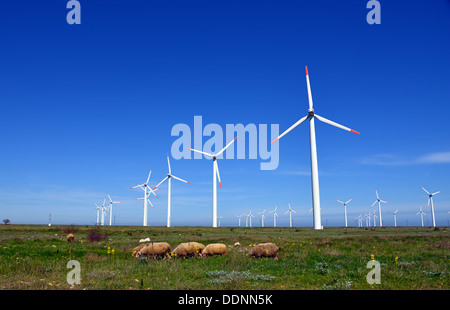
x: 138, y: 254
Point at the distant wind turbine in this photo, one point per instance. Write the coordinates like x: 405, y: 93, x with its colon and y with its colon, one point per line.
x: 275, y: 215
x: 111, y: 202
x: 250, y: 215
x: 215, y: 175
x: 263, y: 216
x: 421, y: 214
x: 379, y: 206
x: 430, y: 199
x: 395, y: 218
x: 147, y: 191
x: 314, y: 167
x: 239, y: 217
x: 345, y: 209
x: 290, y: 214
x: 169, y: 185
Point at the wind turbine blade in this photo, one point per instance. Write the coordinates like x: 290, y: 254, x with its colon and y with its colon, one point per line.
x: 168, y: 163
x: 148, y: 200
x: 374, y: 203
x: 339, y: 201
x: 290, y: 128
x: 148, y: 178
x: 109, y: 197
x: 152, y: 191
x: 349, y: 200
x: 201, y: 152
x: 222, y: 150
x: 135, y: 186
x: 435, y: 193
x: 216, y: 166
x: 425, y: 190
x: 384, y: 201
x: 162, y: 181
x: 308, y: 86
x: 180, y: 179
x: 323, y: 119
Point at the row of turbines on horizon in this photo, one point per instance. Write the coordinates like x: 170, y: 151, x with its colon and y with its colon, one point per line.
x: 311, y: 116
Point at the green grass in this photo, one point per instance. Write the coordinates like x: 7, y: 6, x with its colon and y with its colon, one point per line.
x: 35, y: 257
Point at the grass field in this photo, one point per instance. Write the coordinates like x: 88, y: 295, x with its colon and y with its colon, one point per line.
x: 35, y: 257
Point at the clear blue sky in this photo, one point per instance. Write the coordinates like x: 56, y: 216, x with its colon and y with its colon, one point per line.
x: 88, y: 109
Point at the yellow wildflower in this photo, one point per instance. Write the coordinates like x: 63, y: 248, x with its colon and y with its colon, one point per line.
x: 396, y: 258
x: 372, y: 257
x: 112, y: 251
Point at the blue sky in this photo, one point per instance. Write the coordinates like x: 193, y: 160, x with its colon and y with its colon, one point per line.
x: 88, y: 109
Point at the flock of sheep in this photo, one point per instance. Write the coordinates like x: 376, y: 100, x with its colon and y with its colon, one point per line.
x: 189, y: 249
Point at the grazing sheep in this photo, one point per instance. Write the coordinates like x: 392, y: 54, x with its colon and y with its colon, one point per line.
x: 70, y: 237
x: 138, y: 248
x: 154, y: 249
x: 188, y: 249
x: 214, y: 249
x: 264, y: 250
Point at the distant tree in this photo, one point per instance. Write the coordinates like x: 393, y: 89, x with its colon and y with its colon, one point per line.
x: 6, y: 221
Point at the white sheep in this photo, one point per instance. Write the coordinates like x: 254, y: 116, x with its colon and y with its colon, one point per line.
x: 188, y: 249
x: 214, y: 249
x: 154, y: 249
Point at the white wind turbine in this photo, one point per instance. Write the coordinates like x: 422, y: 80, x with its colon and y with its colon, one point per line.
x: 250, y: 215
x: 290, y: 214
x: 239, y: 217
x: 430, y: 199
x: 314, y: 167
x: 147, y: 191
x: 104, y: 209
x: 395, y: 218
x: 345, y: 209
x: 111, y: 202
x: 215, y: 175
x: 379, y: 206
x: 98, y: 208
x: 263, y: 216
x: 275, y: 215
x: 218, y: 219
x: 360, y: 219
x: 169, y: 185
x: 421, y: 214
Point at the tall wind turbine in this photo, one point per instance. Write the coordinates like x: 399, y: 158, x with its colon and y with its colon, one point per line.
x: 169, y: 186
x: 314, y: 167
x: 395, y: 218
x: 147, y: 191
x: 239, y: 217
x: 250, y: 215
x: 263, y: 216
x: 345, y: 209
x: 111, y: 202
x: 379, y: 206
x: 421, y: 214
x: 98, y: 208
x: 290, y: 214
x: 218, y: 219
x: 430, y: 199
x: 215, y: 175
x: 104, y: 209
x: 275, y: 215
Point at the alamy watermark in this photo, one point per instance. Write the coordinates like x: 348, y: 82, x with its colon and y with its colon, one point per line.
x: 374, y: 275
x: 374, y: 15
x: 255, y: 135
x: 74, y: 276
